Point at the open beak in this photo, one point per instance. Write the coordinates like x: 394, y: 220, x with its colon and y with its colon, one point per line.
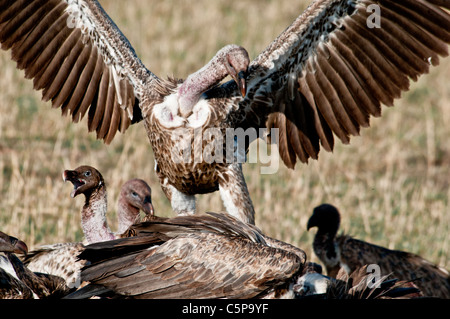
x: 72, y: 177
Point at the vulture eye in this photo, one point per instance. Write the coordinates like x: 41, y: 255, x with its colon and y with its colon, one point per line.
x: 87, y: 173
x: 134, y: 194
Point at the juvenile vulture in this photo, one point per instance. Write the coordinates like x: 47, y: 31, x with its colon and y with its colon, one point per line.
x: 210, y: 255
x: 326, y: 74
x: 18, y: 282
x: 61, y: 259
x: 337, y: 251
x: 135, y: 195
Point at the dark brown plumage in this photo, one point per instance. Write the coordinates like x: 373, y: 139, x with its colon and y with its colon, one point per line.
x: 344, y: 251
x: 202, y: 256
x: 359, y: 284
x: 324, y: 76
x: 18, y: 282
x: 9, y: 244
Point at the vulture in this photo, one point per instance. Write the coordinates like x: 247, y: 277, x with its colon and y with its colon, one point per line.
x: 61, y: 259
x: 18, y: 282
x: 336, y: 251
x: 325, y: 75
x: 210, y: 255
x: 359, y: 284
x: 135, y: 195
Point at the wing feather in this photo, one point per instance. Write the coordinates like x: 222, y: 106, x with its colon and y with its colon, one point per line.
x: 92, y: 89
x: 59, y: 44
x: 21, y: 23
x: 109, y: 104
x: 323, y: 130
x: 201, y: 256
x: 55, y: 84
x: 71, y: 85
x: 71, y: 105
x: 431, y: 279
x: 197, y: 266
x: 47, y: 75
x: 345, y: 69
x: 96, y: 114
x: 342, y: 92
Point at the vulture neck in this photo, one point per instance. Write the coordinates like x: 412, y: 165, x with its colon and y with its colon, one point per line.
x: 326, y: 249
x: 199, y: 82
x: 93, y: 216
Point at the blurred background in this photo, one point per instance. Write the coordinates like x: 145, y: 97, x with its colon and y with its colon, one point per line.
x: 391, y: 184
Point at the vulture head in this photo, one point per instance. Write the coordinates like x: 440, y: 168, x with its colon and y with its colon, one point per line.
x: 236, y: 63
x: 137, y: 195
x: 84, y: 179
x: 326, y: 218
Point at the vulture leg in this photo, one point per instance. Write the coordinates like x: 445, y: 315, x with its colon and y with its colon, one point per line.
x: 234, y: 193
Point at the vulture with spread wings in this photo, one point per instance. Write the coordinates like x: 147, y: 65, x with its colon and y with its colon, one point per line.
x: 325, y: 75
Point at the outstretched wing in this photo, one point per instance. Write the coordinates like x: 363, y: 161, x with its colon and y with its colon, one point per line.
x: 336, y: 64
x: 76, y: 54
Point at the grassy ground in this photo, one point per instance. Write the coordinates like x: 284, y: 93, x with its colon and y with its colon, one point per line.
x: 391, y: 183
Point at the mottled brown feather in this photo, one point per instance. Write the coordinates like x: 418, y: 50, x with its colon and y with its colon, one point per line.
x: 323, y: 129
x: 336, y: 251
x: 422, y: 36
x: 334, y: 104
x: 202, y: 256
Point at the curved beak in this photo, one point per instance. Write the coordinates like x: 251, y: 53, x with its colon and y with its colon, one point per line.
x: 241, y: 83
x: 148, y: 206
x: 311, y: 223
x: 239, y: 78
x: 12, y: 244
x: 20, y: 247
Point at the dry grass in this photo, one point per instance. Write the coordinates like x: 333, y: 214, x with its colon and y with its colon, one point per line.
x: 391, y: 184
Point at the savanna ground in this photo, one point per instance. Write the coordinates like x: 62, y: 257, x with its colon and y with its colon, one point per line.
x: 391, y: 184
